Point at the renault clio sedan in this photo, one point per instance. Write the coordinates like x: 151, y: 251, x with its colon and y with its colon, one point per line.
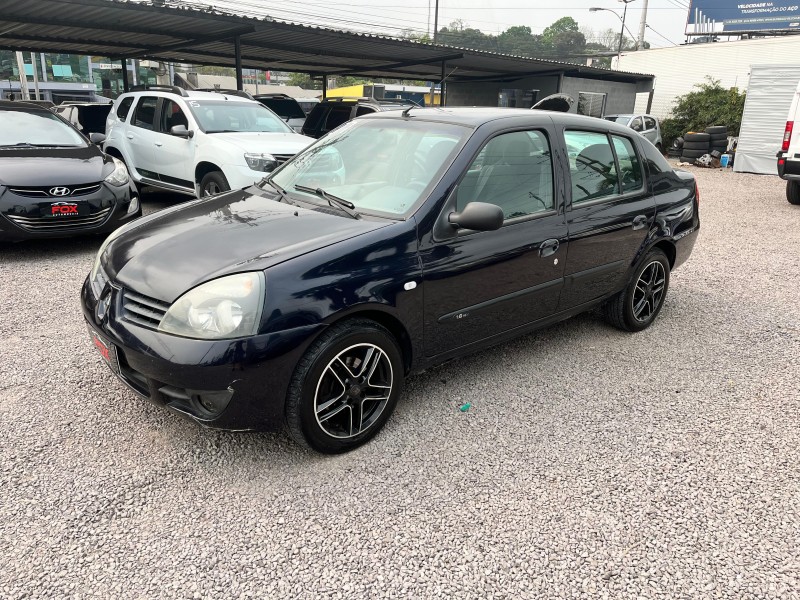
x: 54, y: 182
x: 398, y: 241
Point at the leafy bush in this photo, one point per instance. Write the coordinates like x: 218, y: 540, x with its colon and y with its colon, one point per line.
x: 711, y: 104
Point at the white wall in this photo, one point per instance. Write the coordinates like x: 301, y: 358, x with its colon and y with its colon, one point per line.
x: 679, y: 68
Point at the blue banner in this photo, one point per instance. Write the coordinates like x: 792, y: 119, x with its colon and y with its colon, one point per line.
x: 720, y: 16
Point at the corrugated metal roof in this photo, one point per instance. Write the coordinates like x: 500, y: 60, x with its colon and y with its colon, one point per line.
x: 127, y: 29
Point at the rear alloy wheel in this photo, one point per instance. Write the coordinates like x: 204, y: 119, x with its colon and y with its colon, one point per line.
x: 345, y: 388
x: 213, y: 183
x: 793, y: 192
x: 636, y: 307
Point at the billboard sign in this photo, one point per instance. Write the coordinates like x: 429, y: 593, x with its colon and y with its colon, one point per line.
x: 731, y: 16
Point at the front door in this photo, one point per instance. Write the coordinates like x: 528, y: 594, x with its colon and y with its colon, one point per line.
x: 609, y: 217
x: 480, y: 284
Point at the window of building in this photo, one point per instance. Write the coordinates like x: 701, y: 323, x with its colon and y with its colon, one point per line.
x: 592, y: 104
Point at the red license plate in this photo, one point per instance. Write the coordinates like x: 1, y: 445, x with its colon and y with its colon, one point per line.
x: 106, y: 349
x: 65, y: 210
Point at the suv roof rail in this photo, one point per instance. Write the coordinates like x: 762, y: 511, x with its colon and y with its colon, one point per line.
x: 281, y: 95
x: 159, y: 88
x: 230, y: 92
x: 346, y: 98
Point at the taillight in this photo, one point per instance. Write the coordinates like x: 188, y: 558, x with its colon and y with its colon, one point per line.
x: 787, y: 136
x: 697, y: 191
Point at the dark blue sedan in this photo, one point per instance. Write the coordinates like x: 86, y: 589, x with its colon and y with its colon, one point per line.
x: 398, y: 241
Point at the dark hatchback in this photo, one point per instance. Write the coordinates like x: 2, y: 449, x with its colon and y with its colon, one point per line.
x: 398, y: 241
x: 54, y: 182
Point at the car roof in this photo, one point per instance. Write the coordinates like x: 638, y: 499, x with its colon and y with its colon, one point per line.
x: 477, y: 116
x: 191, y: 95
x: 21, y: 105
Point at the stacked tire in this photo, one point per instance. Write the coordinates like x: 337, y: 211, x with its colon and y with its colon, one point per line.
x: 694, y: 146
x: 676, y: 148
x: 719, y: 138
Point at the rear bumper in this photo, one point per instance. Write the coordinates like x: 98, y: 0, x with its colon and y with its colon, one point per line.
x: 788, y: 168
x: 250, y: 375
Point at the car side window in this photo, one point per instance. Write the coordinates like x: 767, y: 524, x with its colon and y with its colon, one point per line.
x: 591, y: 166
x: 364, y: 110
x: 630, y: 169
x: 171, y: 115
x: 145, y: 112
x: 649, y: 123
x: 124, y: 107
x: 337, y: 116
x: 636, y: 124
x: 513, y: 171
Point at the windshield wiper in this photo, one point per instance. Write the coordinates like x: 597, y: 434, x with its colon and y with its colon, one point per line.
x: 29, y: 145
x: 284, y: 197
x: 224, y: 131
x: 345, y: 205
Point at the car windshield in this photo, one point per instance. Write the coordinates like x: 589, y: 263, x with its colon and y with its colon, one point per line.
x: 219, y: 116
x: 618, y: 118
x: 36, y: 128
x: 283, y: 107
x: 381, y: 166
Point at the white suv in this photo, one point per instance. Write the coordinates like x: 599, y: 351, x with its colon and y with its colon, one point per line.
x: 198, y: 143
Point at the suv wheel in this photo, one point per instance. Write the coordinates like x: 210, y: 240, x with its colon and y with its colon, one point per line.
x: 213, y: 183
x: 793, y: 192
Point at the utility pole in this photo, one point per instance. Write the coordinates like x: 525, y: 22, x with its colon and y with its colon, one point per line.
x: 642, y: 25
x: 36, y: 76
x: 23, y: 78
x: 436, y: 22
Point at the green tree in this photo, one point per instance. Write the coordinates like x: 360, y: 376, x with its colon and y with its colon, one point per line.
x: 709, y: 104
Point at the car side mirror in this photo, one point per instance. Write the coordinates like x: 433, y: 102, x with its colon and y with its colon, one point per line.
x: 181, y: 131
x: 97, y: 138
x: 479, y: 216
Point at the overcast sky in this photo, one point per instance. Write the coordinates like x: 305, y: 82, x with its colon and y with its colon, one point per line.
x: 390, y: 17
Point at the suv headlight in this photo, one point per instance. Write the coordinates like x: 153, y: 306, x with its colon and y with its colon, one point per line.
x: 227, y: 307
x: 119, y: 176
x: 261, y: 162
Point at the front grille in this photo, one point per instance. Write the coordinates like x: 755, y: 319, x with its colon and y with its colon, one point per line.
x: 143, y: 310
x: 282, y: 158
x: 59, y: 223
x: 45, y: 192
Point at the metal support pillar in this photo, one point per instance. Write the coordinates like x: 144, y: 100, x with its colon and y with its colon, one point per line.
x: 35, y: 76
x: 442, y: 86
x: 324, y: 87
x: 23, y: 78
x: 237, y: 48
x: 126, y: 86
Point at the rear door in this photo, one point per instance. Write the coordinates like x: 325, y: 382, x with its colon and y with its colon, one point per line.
x: 609, y: 216
x: 480, y: 284
x: 175, y: 154
x: 141, y: 136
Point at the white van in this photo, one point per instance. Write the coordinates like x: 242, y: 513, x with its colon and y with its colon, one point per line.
x: 789, y: 155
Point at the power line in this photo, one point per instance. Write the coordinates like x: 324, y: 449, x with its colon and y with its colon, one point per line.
x: 658, y: 34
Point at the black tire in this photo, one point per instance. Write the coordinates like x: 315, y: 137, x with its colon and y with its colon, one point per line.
x: 697, y: 137
x: 688, y: 159
x: 693, y: 153
x: 678, y: 142
x: 315, y: 375
x: 717, y: 129
x: 621, y: 310
x: 212, y: 183
x: 696, y: 146
x: 719, y: 137
x: 793, y: 192
x: 720, y: 147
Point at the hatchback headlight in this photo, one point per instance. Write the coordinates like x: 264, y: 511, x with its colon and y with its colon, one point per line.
x: 96, y: 266
x: 261, y: 162
x: 119, y: 176
x: 227, y: 307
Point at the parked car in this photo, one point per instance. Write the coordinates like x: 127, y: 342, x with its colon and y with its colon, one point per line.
x: 87, y: 117
x: 646, y: 125
x: 789, y: 154
x: 451, y: 231
x: 332, y: 112
x: 54, y: 182
x: 307, y: 103
x: 198, y: 143
x: 286, y: 107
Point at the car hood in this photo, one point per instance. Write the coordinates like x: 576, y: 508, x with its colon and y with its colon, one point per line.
x: 272, y: 143
x: 42, y: 167
x: 167, y: 254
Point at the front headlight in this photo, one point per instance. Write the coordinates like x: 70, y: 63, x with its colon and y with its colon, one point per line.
x: 96, y: 266
x: 261, y: 162
x: 227, y: 307
x: 119, y: 176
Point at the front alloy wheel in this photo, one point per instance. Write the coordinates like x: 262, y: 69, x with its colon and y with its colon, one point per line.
x: 345, y: 387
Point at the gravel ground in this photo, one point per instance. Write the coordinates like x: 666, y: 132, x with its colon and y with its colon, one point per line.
x: 592, y: 464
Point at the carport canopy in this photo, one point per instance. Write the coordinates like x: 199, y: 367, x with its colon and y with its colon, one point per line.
x: 125, y: 30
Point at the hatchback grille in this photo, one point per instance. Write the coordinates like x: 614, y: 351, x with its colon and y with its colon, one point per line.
x: 59, y: 223
x: 282, y: 158
x: 64, y: 191
x: 143, y: 310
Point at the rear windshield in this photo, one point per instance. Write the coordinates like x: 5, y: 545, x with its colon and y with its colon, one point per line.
x: 221, y: 116
x: 18, y: 128
x: 284, y: 107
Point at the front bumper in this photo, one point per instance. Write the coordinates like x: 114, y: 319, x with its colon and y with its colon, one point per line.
x: 249, y: 376
x: 23, y: 217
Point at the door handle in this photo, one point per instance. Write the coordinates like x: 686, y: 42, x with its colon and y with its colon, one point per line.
x: 639, y: 221
x: 548, y: 248
x: 129, y: 136
x: 159, y: 144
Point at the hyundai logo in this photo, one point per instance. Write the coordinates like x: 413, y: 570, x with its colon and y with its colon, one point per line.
x: 59, y: 191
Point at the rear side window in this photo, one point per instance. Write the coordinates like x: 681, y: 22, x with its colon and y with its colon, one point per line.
x: 145, y: 112
x: 591, y: 166
x: 337, y: 116
x: 124, y: 107
x: 630, y: 169
x: 364, y: 110
x: 649, y: 123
